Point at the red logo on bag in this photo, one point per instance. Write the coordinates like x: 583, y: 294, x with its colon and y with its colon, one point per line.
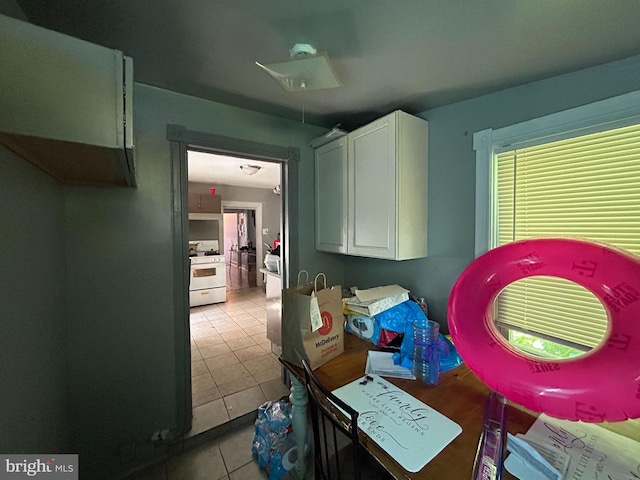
x: 327, y: 323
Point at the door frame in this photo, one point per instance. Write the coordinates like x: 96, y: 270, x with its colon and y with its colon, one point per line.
x: 181, y: 140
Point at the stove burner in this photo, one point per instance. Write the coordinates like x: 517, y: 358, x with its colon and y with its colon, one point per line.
x: 211, y: 252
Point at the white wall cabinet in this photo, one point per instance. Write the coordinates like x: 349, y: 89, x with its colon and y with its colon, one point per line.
x: 371, y: 190
x: 66, y: 105
x: 331, y: 196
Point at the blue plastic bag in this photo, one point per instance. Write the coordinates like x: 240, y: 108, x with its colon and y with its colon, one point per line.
x: 396, y: 318
x: 375, y: 329
x: 410, y: 311
x: 400, y: 319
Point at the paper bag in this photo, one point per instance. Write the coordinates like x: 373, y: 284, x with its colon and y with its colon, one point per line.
x: 299, y: 340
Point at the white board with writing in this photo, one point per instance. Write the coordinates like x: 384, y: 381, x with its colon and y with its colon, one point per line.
x: 410, y: 431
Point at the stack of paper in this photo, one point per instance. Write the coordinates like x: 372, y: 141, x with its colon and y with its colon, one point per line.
x: 381, y: 363
x: 593, y: 452
x: 534, y: 461
x: 375, y: 300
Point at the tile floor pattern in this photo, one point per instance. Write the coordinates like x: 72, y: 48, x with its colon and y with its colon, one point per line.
x: 233, y: 373
x: 233, y: 370
x: 228, y: 458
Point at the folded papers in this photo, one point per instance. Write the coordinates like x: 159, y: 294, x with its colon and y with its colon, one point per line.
x: 594, y: 452
x: 376, y: 300
x: 381, y: 363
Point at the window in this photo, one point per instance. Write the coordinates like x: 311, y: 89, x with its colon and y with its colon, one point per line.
x: 576, y: 174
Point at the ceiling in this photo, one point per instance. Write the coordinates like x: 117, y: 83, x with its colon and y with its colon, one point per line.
x: 413, y: 55
x: 223, y: 170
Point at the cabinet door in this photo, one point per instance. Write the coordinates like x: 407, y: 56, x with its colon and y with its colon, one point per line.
x: 331, y: 197
x: 58, y: 87
x: 210, y: 204
x: 372, y: 189
x: 204, y: 203
x: 63, y: 107
x: 194, y: 202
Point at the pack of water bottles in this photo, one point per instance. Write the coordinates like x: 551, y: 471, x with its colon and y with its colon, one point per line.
x: 274, y: 441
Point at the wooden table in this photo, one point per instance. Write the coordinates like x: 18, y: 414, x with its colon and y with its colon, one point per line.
x: 460, y: 396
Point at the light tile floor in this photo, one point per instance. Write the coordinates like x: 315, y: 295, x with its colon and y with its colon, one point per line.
x: 232, y: 367
x: 233, y: 373
x: 228, y: 457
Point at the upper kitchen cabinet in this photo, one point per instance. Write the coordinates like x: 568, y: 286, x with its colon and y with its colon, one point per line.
x: 66, y: 105
x: 331, y: 196
x: 374, y: 192
x: 204, y: 203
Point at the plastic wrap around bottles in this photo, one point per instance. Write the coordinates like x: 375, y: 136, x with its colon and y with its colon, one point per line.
x: 602, y: 385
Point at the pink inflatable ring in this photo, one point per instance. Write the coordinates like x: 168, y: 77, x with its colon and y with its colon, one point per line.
x: 602, y: 385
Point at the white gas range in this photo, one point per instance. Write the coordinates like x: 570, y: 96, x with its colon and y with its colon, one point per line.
x: 207, y: 279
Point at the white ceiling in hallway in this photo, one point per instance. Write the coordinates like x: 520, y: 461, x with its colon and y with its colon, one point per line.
x: 224, y: 170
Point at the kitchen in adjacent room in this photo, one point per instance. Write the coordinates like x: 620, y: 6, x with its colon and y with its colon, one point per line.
x: 235, y: 218
x: 207, y: 278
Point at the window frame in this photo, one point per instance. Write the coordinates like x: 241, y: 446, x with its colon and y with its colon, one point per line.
x: 614, y: 112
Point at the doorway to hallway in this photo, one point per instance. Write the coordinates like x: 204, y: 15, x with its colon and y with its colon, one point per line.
x: 182, y: 141
x: 232, y: 366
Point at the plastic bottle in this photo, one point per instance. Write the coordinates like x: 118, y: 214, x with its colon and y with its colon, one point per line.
x: 422, y: 303
x: 426, y: 351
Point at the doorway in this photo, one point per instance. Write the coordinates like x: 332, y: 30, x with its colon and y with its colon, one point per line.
x: 233, y: 368
x: 244, y: 238
x: 183, y: 141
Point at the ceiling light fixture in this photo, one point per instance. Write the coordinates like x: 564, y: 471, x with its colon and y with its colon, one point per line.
x: 250, y: 169
x: 306, y: 69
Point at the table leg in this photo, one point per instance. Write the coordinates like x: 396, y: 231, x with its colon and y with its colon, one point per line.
x: 299, y: 400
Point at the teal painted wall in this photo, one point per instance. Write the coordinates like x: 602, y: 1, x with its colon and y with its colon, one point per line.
x: 451, y: 201
x: 87, y: 309
x: 33, y: 367
x: 97, y: 340
x: 120, y: 279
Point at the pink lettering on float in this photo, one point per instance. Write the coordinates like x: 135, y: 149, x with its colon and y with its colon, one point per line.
x: 569, y: 389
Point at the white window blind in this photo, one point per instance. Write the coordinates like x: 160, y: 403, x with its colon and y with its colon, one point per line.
x: 584, y: 187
